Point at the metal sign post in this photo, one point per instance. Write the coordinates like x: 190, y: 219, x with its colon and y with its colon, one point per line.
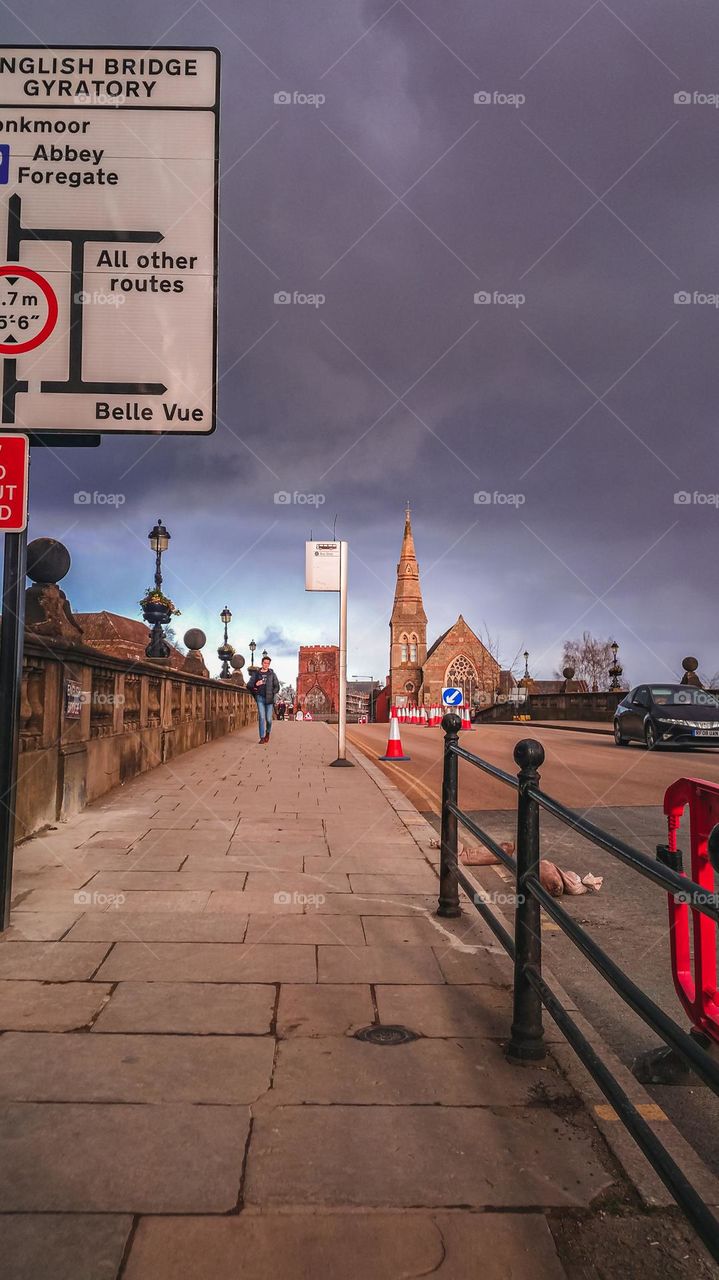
x: 326, y: 565
x: 342, y: 761
x: 13, y: 626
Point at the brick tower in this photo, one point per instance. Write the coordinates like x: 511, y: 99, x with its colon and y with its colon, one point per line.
x: 408, y: 625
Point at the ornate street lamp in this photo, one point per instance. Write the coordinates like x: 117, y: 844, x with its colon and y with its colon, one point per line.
x: 252, y: 666
x: 154, y: 609
x: 525, y: 655
x: 226, y: 650
x: 615, y: 670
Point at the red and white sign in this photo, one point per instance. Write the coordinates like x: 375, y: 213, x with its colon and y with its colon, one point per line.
x: 14, y: 463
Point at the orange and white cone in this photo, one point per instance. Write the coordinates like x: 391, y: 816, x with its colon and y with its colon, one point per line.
x: 394, y: 744
x: 466, y: 718
x: 393, y: 712
x: 425, y: 717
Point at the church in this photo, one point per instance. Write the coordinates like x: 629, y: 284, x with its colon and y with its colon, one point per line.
x: 457, y: 657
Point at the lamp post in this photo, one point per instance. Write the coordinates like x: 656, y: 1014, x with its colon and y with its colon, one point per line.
x: 225, y: 650
x: 252, y: 666
x: 525, y: 655
x: 615, y: 670
x: 155, y: 611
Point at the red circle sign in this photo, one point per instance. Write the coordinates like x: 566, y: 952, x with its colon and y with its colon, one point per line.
x: 23, y: 306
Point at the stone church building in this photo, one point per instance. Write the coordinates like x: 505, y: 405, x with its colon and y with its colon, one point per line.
x: 457, y: 657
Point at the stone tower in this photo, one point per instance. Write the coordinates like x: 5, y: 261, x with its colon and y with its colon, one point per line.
x: 408, y: 625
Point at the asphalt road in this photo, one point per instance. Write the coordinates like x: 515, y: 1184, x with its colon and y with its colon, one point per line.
x: 620, y: 789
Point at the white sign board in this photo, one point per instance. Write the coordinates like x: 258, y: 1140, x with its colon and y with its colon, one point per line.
x: 108, y: 238
x: 322, y: 566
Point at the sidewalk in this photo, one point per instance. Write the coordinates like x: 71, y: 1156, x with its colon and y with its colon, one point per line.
x: 182, y: 1095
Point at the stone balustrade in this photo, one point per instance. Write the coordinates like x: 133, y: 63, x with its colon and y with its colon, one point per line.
x: 90, y: 721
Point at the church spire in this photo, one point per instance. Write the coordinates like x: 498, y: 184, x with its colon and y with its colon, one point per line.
x: 408, y: 624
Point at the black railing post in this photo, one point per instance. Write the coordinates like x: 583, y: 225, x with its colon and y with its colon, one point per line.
x: 527, y: 1044
x: 448, y: 884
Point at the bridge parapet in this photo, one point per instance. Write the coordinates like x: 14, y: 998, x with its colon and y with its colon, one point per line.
x: 90, y: 721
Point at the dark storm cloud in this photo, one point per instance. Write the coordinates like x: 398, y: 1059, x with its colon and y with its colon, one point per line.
x: 594, y: 399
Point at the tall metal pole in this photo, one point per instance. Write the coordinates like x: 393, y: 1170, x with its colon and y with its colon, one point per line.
x: 11, y: 652
x: 342, y: 761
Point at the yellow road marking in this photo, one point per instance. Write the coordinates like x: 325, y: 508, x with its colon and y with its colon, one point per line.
x: 401, y: 773
x: 648, y: 1110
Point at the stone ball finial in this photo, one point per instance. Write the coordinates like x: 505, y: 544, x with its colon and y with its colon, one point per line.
x: 451, y: 722
x: 568, y: 673
x: 195, y: 638
x: 237, y: 661
x: 689, y: 664
x: 48, y: 561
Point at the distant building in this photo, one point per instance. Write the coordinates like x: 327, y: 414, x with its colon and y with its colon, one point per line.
x: 318, y: 679
x: 120, y: 637
x: 457, y: 657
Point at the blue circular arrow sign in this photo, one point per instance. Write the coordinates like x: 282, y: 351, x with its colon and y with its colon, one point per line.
x: 452, y: 697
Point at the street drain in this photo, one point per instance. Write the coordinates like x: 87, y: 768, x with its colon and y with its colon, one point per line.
x: 386, y: 1035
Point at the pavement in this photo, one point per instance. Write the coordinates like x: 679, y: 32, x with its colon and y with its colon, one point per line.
x: 182, y: 1092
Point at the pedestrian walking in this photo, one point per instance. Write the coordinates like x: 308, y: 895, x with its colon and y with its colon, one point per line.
x: 264, y: 687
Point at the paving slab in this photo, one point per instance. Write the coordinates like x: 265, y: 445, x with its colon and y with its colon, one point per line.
x: 367, y: 904
x: 423, y: 930
x: 421, y: 1156
x: 419, y: 878
x: 485, y: 964
x: 50, y: 961
x: 322, y: 1011
x: 134, y: 1068
x: 377, y: 1246
x: 164, y: 1159
x: 310, y: 927
x: 326, y: 881
x: 63, y: 1246
x: 143, y: 926
x: 474, y: 1010
x: 449, y: 1072
x: 40, y: 926
x: 189, y: 1008
x: 50, y: 1006
x: 206, y: 962
x: 379, y: 964
x: 127, y: 881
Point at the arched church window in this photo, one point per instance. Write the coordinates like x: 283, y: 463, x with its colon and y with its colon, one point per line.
x: 413, y: 651
x: 403, y: 648
x: 311, y: 665
x: 462, y: 674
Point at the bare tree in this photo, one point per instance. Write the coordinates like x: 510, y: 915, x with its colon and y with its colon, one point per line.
x: 591, y: 659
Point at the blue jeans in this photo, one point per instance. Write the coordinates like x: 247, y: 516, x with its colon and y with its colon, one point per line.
x: 264, y: 711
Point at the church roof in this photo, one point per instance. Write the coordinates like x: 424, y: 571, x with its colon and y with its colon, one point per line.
x: 444, y: 635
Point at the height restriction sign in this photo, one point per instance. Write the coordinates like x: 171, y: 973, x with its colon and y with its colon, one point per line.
x: 108, y: 238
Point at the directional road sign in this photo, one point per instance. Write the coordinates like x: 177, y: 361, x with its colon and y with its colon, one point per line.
x: 452, y: 697
x: 108, y: 238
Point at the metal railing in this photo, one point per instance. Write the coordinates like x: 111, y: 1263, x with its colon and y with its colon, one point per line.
x: 531, y: 991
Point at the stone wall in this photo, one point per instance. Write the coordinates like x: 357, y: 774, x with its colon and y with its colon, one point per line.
x: 573, y: 706
x: 89, y: 722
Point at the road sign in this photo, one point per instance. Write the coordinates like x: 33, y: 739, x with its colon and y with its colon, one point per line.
x: 452, y: 697
x: 108, y: 238
x: 14, y: 462
x: 322, y: 566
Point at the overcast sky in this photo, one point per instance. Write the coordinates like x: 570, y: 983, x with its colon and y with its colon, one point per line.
x: 399, y: 198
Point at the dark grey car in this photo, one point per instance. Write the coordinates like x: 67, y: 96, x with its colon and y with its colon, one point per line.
x: 677, y: 714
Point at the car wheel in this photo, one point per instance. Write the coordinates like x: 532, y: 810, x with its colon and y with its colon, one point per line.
x: 650, y: 736
x: 618, y: 735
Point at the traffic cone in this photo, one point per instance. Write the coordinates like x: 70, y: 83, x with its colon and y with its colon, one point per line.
x: 416, y: 719
x: 393, y: 712
x: 394, y: 744
x: 425, y: 717
x: 466, y: 718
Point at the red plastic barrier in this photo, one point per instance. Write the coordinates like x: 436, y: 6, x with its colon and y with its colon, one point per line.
x: 695, y: 985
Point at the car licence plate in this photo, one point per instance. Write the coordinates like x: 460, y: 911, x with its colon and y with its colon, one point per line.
x: 704, y: 733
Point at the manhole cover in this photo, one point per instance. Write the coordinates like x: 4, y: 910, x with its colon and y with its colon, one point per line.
x: 386, y: 1035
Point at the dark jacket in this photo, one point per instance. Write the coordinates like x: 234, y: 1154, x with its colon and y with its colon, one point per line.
x: 272, y: 685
